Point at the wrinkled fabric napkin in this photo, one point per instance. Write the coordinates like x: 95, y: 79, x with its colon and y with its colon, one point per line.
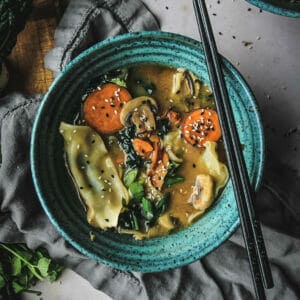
x: 223, y: 274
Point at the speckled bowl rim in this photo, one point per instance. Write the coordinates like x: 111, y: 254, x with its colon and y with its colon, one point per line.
x: 172, y: 264
x: 275, y: 9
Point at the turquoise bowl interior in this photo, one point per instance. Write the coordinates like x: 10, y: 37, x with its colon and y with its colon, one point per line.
x: 57, y: 193
x: 280, y: 7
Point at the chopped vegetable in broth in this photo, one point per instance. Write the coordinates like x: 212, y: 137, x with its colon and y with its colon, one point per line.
x: 147, y: 161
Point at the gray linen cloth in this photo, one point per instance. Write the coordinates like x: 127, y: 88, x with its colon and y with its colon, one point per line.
x: 223, y: 274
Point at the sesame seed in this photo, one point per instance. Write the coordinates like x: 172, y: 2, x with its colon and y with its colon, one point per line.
x: 93, y: 107
x: 74, y: 131
x: 78, y: 146
x: 105, y: 100
x: 102, y: 196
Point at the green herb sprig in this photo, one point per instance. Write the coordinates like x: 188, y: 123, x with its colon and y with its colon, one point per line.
x: 140, y: 213
x: 21, y: 268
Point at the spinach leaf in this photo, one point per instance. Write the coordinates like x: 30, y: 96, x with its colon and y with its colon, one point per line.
x: 129, y: 220
x: 116, y: 76
x: 147, y: 209
x: 162, y: 205
x: 163, y: 127
x: 125, y: 136
x: 135, y: 223
x: 173, y: 180
x: 2, y: 282
x: 172, y: 176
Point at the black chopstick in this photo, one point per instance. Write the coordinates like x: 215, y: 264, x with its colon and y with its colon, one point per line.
x: 248, y: 236
x: 251, y: 228
x: 259, y: 241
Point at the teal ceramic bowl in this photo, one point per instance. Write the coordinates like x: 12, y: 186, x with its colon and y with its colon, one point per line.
x: 280, y: 7
x: 55, y: 188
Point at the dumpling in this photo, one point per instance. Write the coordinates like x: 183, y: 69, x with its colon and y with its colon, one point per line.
x: 213, y: 167
x: 95, y: 175
x: 210, y: 161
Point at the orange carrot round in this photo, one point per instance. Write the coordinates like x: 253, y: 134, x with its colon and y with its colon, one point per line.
x: 102, y: 108
x: 142, y: 148
x: 201, y: 125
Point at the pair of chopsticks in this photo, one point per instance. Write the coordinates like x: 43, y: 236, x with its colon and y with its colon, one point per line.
x: 258, y: 259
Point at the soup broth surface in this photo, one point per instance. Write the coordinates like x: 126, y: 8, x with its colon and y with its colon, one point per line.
x: 158, y: 131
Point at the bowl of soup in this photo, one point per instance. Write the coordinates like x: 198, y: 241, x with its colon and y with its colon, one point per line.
x: 289, y: 8
x: 127, y: 154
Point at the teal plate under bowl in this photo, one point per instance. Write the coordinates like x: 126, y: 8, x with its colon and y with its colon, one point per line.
x: 55, y: 188
x: 280, y: 7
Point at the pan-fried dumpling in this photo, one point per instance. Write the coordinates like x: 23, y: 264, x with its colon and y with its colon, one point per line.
x: 95, y: 175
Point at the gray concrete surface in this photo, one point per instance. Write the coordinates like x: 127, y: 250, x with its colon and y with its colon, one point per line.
x: 271, y: 66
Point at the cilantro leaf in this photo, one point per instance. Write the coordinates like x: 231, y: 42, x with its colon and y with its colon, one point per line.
x: 2, y: 282
x: 130, y: 176
x: 43, y: 265
x: 16, y: 266
x: 21, y: 267
x: 136, y: 190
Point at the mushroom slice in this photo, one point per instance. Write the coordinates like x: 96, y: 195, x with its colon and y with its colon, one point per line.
x: 139, y: 112
x: 191, y: 80
x: 202, y: 195
x: 178, y: 78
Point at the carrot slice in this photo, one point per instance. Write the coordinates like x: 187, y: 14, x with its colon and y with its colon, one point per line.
x: 156, y: 151
x: 159, y: 163
x: 160, y: 171
x: 174, y: 117
x: 142, y: 148
x: 201, y: 125
x: 102, y: 108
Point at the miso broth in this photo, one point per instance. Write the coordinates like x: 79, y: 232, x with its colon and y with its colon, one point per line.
x: 146, y: 157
